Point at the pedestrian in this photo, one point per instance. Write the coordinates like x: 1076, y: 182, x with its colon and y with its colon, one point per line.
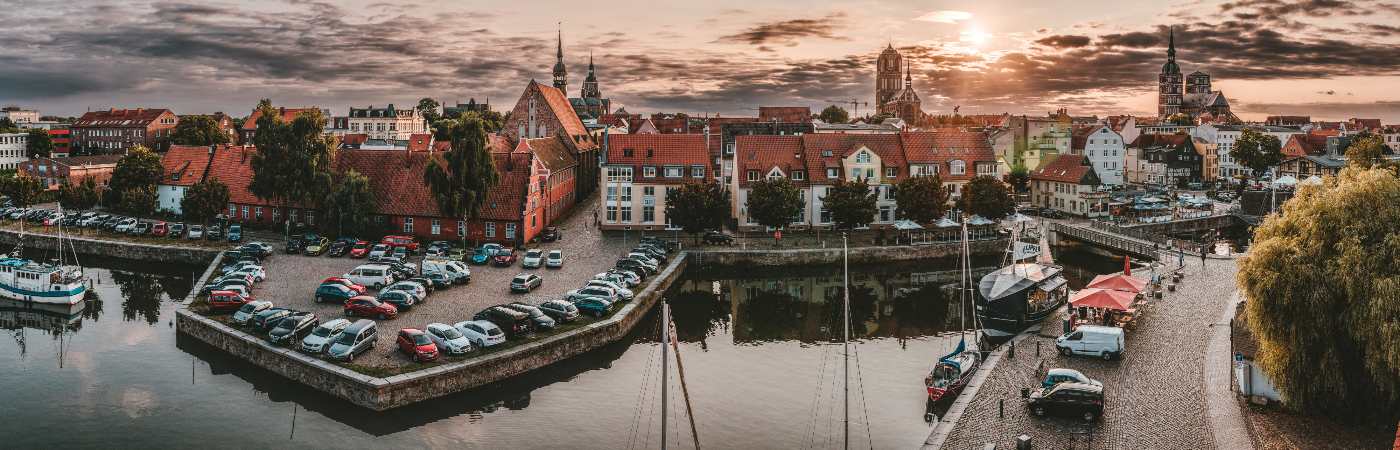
x: 595, y: 218
x: 1203, y: 257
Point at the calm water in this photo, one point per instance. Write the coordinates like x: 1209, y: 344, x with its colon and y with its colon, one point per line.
x: 761, y: 352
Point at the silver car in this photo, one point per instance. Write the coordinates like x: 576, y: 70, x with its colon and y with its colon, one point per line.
x: 448, y: 339
x: 250, y: 309
x: 555, y: 259
x: 320, y: 339
x: 533, y: 258
x: 625, y: 294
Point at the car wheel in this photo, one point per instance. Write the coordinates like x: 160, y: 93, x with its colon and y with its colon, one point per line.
x: 1066, y: 351
x: 597, y: 314
x: 479, y: 343
x: 1039, y: 411
x: 1088, y: 417
x: 382, y: 316
x: 349, y: 313
x: 377, y: 286
x: 1107, y: 356
x: 351, y: 357
x: 320, y: 299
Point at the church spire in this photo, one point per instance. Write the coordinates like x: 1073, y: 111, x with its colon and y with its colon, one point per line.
x: 561, y: 75
x: 1171, y: 44
x: 908, y: 75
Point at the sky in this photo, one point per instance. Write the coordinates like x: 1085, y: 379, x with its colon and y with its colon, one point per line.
x: 1330, y: 59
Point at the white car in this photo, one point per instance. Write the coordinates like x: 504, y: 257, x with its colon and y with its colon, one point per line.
x: 643, y: 257
x: 374, y: 276
x: 320, y: 338
x: 448, y: 339
x: 626, y: 294
x: 379, y: 251
x: 533, y: 258
x: 249, y: 309
x: 555, y: 259
x: 126, y: 225
x: 595, y: 292
x: 196, y: 232
x: 481, y: 333
x: 254, y: 273
x: 631, y: 278
x: 409, y: 287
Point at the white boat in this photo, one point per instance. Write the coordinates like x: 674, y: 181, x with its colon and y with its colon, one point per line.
x: 29, y: 281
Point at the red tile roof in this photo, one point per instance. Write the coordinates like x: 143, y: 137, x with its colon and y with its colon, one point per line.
x: 643, y: 126
x: 675, y: 126
x: 420, y: 142
x: 551, y: 151
x: 1162, y: 140
x: 921, y: 147
x: 230, y: 166
x: 1065, y: 169
x: 784, y: 114
x: 559, y: 103
x: 763, y: 153
x: 1305, y: 145
x: 188, y: 161
x: 288, y: 115
x: 121, y: 117
x: 684, y: 149
x: 1318, y: 132
x: 352, y: 140
x: 1081, y: 135
x: 716, y: 129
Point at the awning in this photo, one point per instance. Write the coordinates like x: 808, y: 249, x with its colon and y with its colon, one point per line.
x: 1103, y: 298
x: 1312, y: 180
x: 1120, y: 282
x: 979, y: 221
x: 1287, y: 180
x: 1022, y: 218
x: 944, y: 222
x: 907, y: 224
x: 1053, y: 284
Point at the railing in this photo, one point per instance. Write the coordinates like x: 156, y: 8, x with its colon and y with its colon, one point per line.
x: 947, y: 237
x: 1123, y: 243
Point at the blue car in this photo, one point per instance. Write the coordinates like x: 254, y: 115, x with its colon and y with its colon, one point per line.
x: 1057, y: 376
x: 235, y: 233
x: 333, y: 292
x: 400, y: 299
x: 486, y: 254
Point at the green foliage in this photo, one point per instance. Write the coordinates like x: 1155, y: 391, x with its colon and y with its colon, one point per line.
x: 293, y: 164
x: 23, y: 190
x: 851, y: 203
x: 460, y: 188
x: 140, y: 201
x: 1257, y: 151
x: 774, y: 203
x: 878, y: 118
x: 429, y: 108
x: 1020, y: 178
x: 140, y: 168
x: 922, y: 199
x: 198, y: 130
x: 987, y: 197
x: 85, y: 194
x: 350, y: 208
x: 493, y: 121
x: 39, y: 144
x: 1181, y: 120
x: 58, y: 119
x: 698, y: 206
x: 7, y: 126
x: 834, y: 114
x: 1366, y: 149
x: 1323, y: 297
x: 204, y: 200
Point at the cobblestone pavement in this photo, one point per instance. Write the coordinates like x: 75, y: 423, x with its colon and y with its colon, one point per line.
x: 292, y: 280
x: 1154, y: 394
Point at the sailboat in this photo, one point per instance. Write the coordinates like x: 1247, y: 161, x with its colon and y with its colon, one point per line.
x: 954, y: 370
x: 30, y: 281
x: 1022, y: 293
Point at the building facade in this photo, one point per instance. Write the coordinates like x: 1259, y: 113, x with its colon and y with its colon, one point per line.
x: 115, y: 131
x: 388, y: 123
x: 1070, y: 184
x: 1191, y: 95
x: 52, y: 171
x: 287, y: 115
x: 184, y: 166
x: 12, y: 149
x: 891, y: 96
x: 1224, y: 137
x: 543, y: 111
x: 641, y: 169
x: 1104, y: 149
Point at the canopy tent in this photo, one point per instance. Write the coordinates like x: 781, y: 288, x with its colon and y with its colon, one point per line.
x: 1022, y: 218
x: 907, y: 224
x: 1313, y: 180
x: 1151, y: 200
x: 944, y: 222
x: 1125, y: 283
x: 1286, y: 180
x: 977, y: 220
x: 1103, y: 298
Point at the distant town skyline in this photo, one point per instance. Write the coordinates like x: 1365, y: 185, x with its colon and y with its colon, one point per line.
x: 1329, y: 59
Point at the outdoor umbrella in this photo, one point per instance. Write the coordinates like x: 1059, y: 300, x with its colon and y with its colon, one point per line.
x: 1313, y: 180
x: 1103, y: 298
x: 1125, y: 283
x: 1022, y: 218
x: 1286, y: 180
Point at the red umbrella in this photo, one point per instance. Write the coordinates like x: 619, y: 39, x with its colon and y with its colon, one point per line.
x: 1128, y: 266
x: 1103, y: 298
x: 1119, y: 283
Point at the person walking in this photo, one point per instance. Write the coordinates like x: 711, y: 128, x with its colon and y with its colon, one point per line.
x: 1203, y: 257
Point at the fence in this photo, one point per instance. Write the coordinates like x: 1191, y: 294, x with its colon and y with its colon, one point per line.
x: 1162, y: 242
x: 922, y: 237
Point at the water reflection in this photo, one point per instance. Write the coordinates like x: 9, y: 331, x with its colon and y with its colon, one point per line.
x: 141, y: 294
x: 25, y: 321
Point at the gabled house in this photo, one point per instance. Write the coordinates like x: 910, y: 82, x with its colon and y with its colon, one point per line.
x: 1069, y: 184
x: 1164, y: 160
x: 768, y: 157
x: 641, y: 169
x: 544, y: 111
x: 287, y: 114
x: 555, y: 176
x: 184, y: 166
x: 1104, y: 148
x: 115, y: 131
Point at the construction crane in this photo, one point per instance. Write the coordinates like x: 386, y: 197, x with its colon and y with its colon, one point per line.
x: 855, y: 105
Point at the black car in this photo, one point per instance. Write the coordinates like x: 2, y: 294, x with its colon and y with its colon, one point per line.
x: 268, y: 319
x: 400, y: 270
x: 551, y: 234
x: 662, y: 245
x: 514, y: 323
x: 234, y: 257
x: 341, y: 247
x: 651, y: 252
x: 439, y: 279
x: 1075, y: 399
x: 637, y: 269
x: 629, y: 263
x: 176, y: 230
x: 294, y: 246
x: 111, y: 223
x: 213, y: 233
x: 400, y: 299
x: 293, y: 327
x: 537, y: 317
x: 428, y: 285
x: 257, y: 249
x: 69, y: 220
x: 715, y: 237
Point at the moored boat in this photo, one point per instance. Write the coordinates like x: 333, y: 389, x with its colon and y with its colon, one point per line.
x: 954, y: 370
x: 1021, y: 293
x: 30, y: 281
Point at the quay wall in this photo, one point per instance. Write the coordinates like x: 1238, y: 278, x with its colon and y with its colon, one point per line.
x: 400, y: 390
x: 114, y: 249
x: 859, y: 255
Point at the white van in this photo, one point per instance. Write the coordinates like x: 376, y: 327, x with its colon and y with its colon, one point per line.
x: 1092, y: 340
x: 455, y: 270
x: 372, y: 275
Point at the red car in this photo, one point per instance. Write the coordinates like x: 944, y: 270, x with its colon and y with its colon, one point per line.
x: 401, y: 241
x: 354, y: 287
x: 417, y: 344
x: 505, y: 256
x: 224, y: 301
x: 160, y: 229
x: 360, y: 249
x: 364, y: 305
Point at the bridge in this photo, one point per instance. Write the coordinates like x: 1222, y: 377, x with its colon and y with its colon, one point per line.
x: 1136, y: 242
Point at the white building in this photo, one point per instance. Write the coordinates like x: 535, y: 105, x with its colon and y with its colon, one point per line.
x: 12, y: 149
x: 1105, y: 149
x: 21, y: 116
x: 387, y: 123
x: 1224, y: 137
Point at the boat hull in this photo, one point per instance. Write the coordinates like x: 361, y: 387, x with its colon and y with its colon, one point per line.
x: 73, y: 295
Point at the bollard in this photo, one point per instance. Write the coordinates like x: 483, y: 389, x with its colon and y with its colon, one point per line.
x: 1023, y: 442
x: 1001, y: 408
x: 1025, y: 392
x: 1037, y: 348
x: 1011, y: 352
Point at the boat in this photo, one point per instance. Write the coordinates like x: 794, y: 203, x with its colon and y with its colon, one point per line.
x: 953, y: 371
x: 1022, y: 293
x: 36, y: 282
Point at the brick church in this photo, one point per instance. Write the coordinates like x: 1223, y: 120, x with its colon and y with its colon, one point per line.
x: 894, y: 96
x: 1194, y: 97
x: 590, y: 102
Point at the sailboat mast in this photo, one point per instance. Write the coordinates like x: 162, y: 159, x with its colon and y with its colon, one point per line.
x: 846, y: 278
x: 665, y: 338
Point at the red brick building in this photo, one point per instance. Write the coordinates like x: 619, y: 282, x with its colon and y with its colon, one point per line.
x: 288, y: 115
x: 543, y: 111
x: 61, y: 143
x: 52, y: 171
x: 115, y: 131
x: 555, y: 175
x: 1305, y: 145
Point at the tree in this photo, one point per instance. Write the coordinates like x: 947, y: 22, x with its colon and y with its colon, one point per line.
x: 79, y: 196
x: 429, y: 108
x: 834, y: 114
x: 199, y: 130
x: 851, y: 203
x: 460, y: 188
x: 1020, y: 178
x: 1322, y: 291
x: 698, y: 206
x: 138, y: 169
x: 878, y: 118
x: 987, y: 197
x: 139, y: 202
x: 1257, y: 151
x: 922, y: 199
x: 39, y: 144
x: 23, y: 190
x: 350, y: 208
x: 1366, y: 149
x: 1181, y: 120
x: 774, y: 202
x: 204, y: 200
x: 293, y: 164
x: 493, y: 121
x: 7, y: 126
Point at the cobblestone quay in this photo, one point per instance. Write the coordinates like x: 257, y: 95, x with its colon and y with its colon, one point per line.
x: 114, y: 249
x: 1155, y: 396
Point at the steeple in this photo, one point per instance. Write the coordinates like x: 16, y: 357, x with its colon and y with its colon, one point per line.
x: 590, y: 83
x: 561, y: 75
x: 908, y: 75
x: 1170, y: 66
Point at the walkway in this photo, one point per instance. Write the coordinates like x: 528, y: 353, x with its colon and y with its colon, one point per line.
x: 1222, y: 408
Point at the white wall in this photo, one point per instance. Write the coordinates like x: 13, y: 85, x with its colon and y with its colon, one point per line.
x: 170, y: 197
x: 1252, y: 381
x: 12, y: 149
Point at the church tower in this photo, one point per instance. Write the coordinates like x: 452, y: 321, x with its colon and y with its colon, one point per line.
x: 887, y: 76
x: 1169, y: 91
x: 561, y: 75
x: 590, y: 84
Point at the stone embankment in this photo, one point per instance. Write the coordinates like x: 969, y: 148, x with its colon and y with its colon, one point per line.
x: 735, y: 257
x: 114, y: 249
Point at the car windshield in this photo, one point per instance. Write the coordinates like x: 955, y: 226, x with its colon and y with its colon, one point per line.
x: 421, y: 339
x: 235, y: 229
x: 450, y: 333
x: 518, y: 280
x: 482, y: 252
x: 555, y: 255
x: 533, y: 254
x: 380, y: 247
x: 347, y: 339
x: 322, y: 331
x: 288, y: 323
x: 493, y: 331
x: 248, y: 307
x: 359, y: 246
x: 535, y: 312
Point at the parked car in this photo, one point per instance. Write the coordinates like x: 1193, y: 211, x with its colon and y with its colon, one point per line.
x: 486, y: 253
x: 514, y: 323
x: 664, y: 245
x: 125, y: 226
x: 1057, y: 376
x: 359, y: 289
x: 379, y: 251
x: 505, y: 256
x: 595, y: 306
x: 437, y: 248
x: 715, y: 237
x: 317, y: 246
x: 399, y: 252
x: 214, y: 233
x: 651, y: 252
x: 262, y: 249
x: 235, y: 233
x: 334, y: 292
x: 294, y: 245
x: 560, y: 310
x: 196, y: 232
x: 402, y: 241
x: 481, y: 333
x: 358, y: 338
x: 455, y: 271
x: 321, y: 338
x: 447, y: 339
x: 96, y: 221
x: 224, y: 300
x: 359, y: 249
x: 246, y: 313
x: 525, y: 282
x: 593, y: 292
x: 456, y: 254
x: 538, y: 318
x: 364, y: 305
x: 401, y: 269
x: 551, y: 234
x: 374, y: 276
x: 69, y: 219
x: 176, y: 230
x: 426, y: 283
x: 621, y: 292
x: 555, y: 259
x: 293, y: 327
x: 643, y: 257
x: 629, y: 279
x: 236, y: 286
x: 631, y: 263
x: 401, y: 300
x: 439, y: 279
x: 255, y: 273
x: 533, y: 259
x: 417, y: 345
x: 636, y: 271
x: 53, y: 219
x: 1103, y: 341
x: 340, y: 247
x: 267, y: 319
x: 410, y: 287
x: 1076, y: 399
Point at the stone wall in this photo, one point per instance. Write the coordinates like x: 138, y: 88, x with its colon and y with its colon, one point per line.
x: 400, y: 390
x: 115, y: 249
x: 859, y: 255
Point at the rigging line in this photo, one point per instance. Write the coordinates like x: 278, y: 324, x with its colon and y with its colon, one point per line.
x: 641, y: 396
x: 821, y: 378
x: 651, y: 415
x: 831, y: 403
x: 865, y: 413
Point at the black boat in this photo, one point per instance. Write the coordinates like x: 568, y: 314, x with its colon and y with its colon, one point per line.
x: 1020, y: 294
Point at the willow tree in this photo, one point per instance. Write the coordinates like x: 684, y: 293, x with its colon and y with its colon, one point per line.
x: 1322, y: 284
x: 460, y: 187
x: 294, y: 162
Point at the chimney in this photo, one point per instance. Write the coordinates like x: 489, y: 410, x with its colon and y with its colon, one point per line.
x: 111, y: 110
x: 282, y: 111
x: 138, y: 110
x: 211, y: 149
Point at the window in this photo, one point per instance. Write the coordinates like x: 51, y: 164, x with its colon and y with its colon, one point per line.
x: 648, y: 214
x: 490, y: 229
x: 612, y: 215
x: 889, y: 172
x: 232, y: 210
x: 832, y: 173
x: 957, y: 167
x: 728, y: 164
x: 408, y: 224
x: 648, y: 191
x: 855, y: 173
x: 612, y: 193
x: 889, y: 192
x: 257, y: 213
x: 627, y: 193
x: 245, y: 212
x: 649, y: 172
x: 294, y: 216
x: 437, y: 227
x: 797, y: 175
x: 461, y: 228
x: 863, y: 158
x: 510, y: 231
x: 753, y: 175
x: 870, y: 173
x: 626, y: 214
x: 697, y: 172
x: 673, y: 172
x: 310, y: 218
x: 276, y: 214
x: 619, y: 174
x: 884, y: 214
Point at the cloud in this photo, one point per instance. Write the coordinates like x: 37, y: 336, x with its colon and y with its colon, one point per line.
x: 1064, y: 41
x: 1386, y: 110
x: 944, y: 16
x: 1328, y: 92
x: 787, y: 32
